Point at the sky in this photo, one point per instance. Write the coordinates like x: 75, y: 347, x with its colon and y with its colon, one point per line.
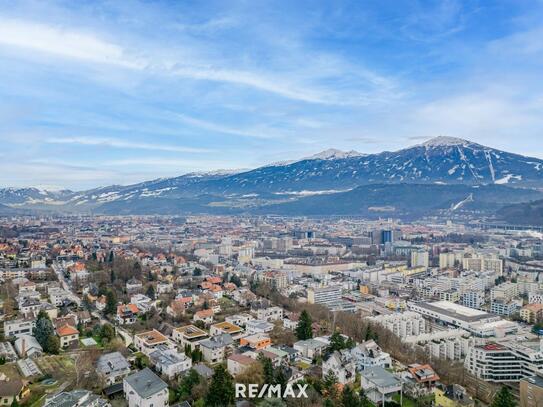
x: 115, y: 92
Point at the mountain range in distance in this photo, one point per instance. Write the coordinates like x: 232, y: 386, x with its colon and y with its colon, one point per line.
x: 443, y: 175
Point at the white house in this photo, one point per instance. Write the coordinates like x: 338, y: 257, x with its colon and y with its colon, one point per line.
x: 112, y: 367
x: 145, y: 389
x: 341, y: 365
x: 164, y: 288
x: 257, y: 326
x: 18, y: 327
x: 214, y: 349
x: 270, y: 313
x: 239, y: 319
x: 380, y: 385
x: 141, y: 301
x: 368, y: 354
x: 169, y: 362
x: 310, y: 348
x: 147, y: 342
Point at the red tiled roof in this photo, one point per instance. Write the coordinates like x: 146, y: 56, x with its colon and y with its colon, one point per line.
x: 66, y: 330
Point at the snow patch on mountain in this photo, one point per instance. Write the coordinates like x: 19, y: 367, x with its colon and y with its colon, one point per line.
x: 507, y: 178
x: 442, y: 141
x: 334, y: 154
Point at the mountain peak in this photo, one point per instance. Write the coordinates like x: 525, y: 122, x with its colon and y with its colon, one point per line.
x: 333, y: 153
x: 446, y: 141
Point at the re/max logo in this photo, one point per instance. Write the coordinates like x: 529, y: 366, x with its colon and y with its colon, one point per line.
x: 252, y: 390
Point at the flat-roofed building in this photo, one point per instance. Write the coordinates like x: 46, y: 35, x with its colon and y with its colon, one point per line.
x: 189, y: 335
x: 324, y: 295
x: 225, y: 328
x: 402, y: 324
x: 531, y: 391
x: 256, y: 341
x: 452, y: 314
x: 147, y: 342
x: 507, y: 361
x: 18, y: 327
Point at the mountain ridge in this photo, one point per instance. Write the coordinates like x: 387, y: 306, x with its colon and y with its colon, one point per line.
x: 438, y: 161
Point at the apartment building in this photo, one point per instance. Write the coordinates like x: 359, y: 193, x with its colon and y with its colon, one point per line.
x: 276, y: 279
x: 324, y: 295
x: 508, y: 361
x: 473, y: 299
x: 531, y: 391
x: 505, y: 291
x: 402, y: 325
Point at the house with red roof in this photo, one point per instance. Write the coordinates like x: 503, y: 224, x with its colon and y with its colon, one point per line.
x: 67, y: 335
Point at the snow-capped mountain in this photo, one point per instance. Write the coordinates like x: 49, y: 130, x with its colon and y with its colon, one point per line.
x: 333, y: 154
x: 439, y: 161
x: 22, y: 196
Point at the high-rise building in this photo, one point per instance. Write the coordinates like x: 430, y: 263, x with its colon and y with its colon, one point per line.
x: 387, y: 236
x: 419, y: 258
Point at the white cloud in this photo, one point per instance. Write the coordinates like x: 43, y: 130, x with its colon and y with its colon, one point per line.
x: 63, y: 42
x: 88, y: 47
x: 116, y: 143
x: 218, y: 128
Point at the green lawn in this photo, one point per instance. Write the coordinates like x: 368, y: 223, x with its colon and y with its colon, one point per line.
x: 407, y: 402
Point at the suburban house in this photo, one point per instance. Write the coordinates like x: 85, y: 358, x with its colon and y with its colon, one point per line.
x: 141, y: 301
x: 147, y: 342
x: 189, y: 335
x: 169, y: 362
x: 239, y: 319
x: 310, y: 348
x: 145, y: 389
x: 341, y: 365
x: 215, y: 348
x: 112, y: 367
x: 237, y: 363
x: 270, y: 313
x: 225, y: 328
x: 369, y: 354
x: 68, y: 335
x: 258, y: 326
x: 205, y: 315
x: 75, y: 398
x: 18, y: 327
x: 176, y: 308
x: 133, y: 286
x: 256, y: 341
x: 127, y: 314
x: 11, y: 390
x: 380, y: 385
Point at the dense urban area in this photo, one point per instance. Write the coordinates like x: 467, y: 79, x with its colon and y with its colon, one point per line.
x: 157, y: 311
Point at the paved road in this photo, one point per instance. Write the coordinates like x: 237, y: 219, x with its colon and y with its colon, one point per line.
x: 59, y: 270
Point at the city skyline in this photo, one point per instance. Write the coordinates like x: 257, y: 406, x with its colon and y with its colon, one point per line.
x: 111, y: 93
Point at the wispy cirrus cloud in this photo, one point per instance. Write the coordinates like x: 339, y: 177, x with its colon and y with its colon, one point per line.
x: 63, y: 42
x: 218, y: 128
x: 88, y: 47
x: 124, y: 144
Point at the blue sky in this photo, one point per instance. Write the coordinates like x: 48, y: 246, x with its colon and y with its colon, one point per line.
x: 94, y: 93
